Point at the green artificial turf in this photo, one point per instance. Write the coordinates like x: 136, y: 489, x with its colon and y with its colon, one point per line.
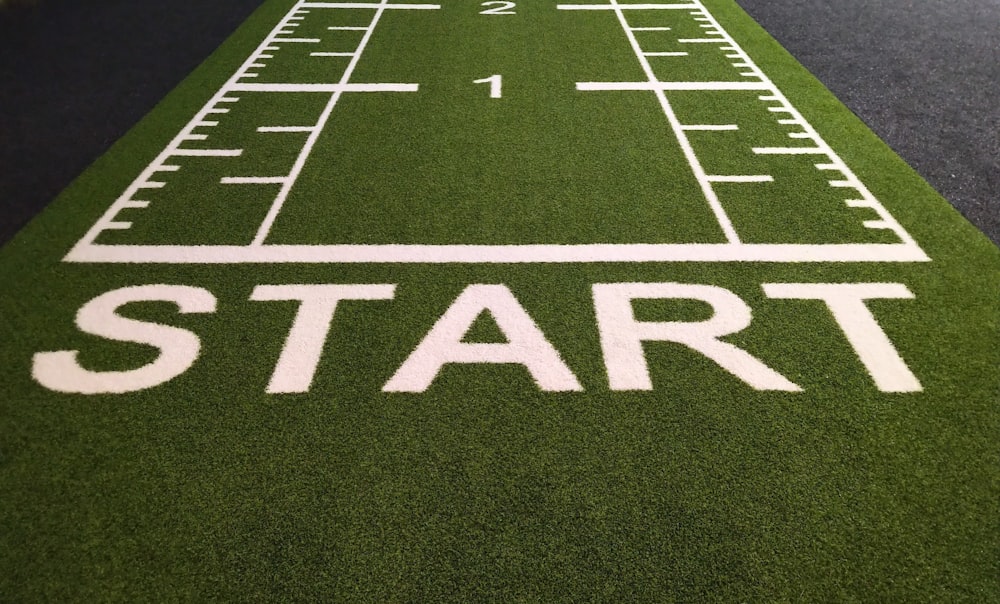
x: 484, y: 487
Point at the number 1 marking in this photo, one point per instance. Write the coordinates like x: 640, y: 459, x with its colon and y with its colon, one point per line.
x: 495, y: 82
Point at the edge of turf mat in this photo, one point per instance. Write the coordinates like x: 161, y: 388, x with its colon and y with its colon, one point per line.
x: 486, y: 488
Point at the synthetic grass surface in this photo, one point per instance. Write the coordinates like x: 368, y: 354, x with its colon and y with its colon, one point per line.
x: 484, y: 487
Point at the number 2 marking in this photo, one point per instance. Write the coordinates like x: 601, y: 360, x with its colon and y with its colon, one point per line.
x: 499, y: 8
x: 495, y: 82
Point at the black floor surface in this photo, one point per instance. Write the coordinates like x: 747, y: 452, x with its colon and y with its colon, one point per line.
x: 923, y: 74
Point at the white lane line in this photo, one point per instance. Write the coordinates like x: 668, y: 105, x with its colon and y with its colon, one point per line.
x: 616, y: 7
x: 725, y: 224
x: 740, y: 178
x: 710, y: 127
x: 650, y: 28
x: 152, y: 185
x: 135, y: 203
x: 300, y: 161
x: 665, y: 54
x: 229, y: 99
x: 167, y: 168
x: 299, y: 40
x: 334, y: 88
x: 827, y: 167
x: 253, y: 180
x: 331, y: 54
x: 205, y: 123
x: 207, y: 152
x: 877, y: 224
x: 657, y: 85
x: 286, y: 129
x: 799, y: 135
x: 382, y: 6
x: 789, y: 151
x: 701, y: 40
x: 195, y: 137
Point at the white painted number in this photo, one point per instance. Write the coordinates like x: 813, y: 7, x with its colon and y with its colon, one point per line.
x: 499, y: 8
x: 495, y: 82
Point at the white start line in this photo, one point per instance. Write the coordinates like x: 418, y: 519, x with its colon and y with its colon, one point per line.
x: 751, y: 78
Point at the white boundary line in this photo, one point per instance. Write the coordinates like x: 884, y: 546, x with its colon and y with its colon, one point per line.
x: 498, y: 254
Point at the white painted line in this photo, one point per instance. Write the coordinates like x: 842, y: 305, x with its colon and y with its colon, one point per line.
x: 877, y: 224
x: 656, y: 85
x: 335, y: 88
x: 650, y: 28
x: 768, y: 97
x: 498, y: 254
x: 265, y: 56
x: 796, y: 122
x: 300, y: 161
x: 167, y: 168
x: 331, y: 54
x: 858, y: 203
x: 217, y: 111
x: 741, y: 178
x: 195, y: 137
x: 229, y: 99
x: 286, y: 129
x: 207, y: 152
x: 370, y: 5
x: 118, y: 225
x: 710, y: 127
x: 665, y: 54
x: 827, y: 167
x: 780, y: 110
x: 788, y: 151
x: 152, y: 185
x: 257, y: 65
x: 253, y: 180
x: 800, y: 135
x: 250, y: 75
x: 625, y: 6
x: 135, y: 203
x: 206, y: 124
x: 701, y: 40
x: 347, y: 28
x: 843, y: 184
x: 299, y: 40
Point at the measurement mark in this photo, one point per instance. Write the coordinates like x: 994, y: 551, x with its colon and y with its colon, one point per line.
x: 658, y: 85
x: 617, y: 7
x: 665, y: 54
x: 369, y: 5
x: 253, y: 180
x: 331, y: 54
x: 207, y: 152
x: 789, y: 151
x: 286, y: 129
x: 710, y: 127
x: 335, y: 88
x: 740, y: 178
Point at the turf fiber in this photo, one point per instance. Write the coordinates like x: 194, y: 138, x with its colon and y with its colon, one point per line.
x: 485, y: 486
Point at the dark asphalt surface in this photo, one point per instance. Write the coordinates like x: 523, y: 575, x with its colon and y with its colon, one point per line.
x: 923, y: 74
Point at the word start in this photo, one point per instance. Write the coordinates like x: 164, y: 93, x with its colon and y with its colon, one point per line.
x: 621, y: 336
